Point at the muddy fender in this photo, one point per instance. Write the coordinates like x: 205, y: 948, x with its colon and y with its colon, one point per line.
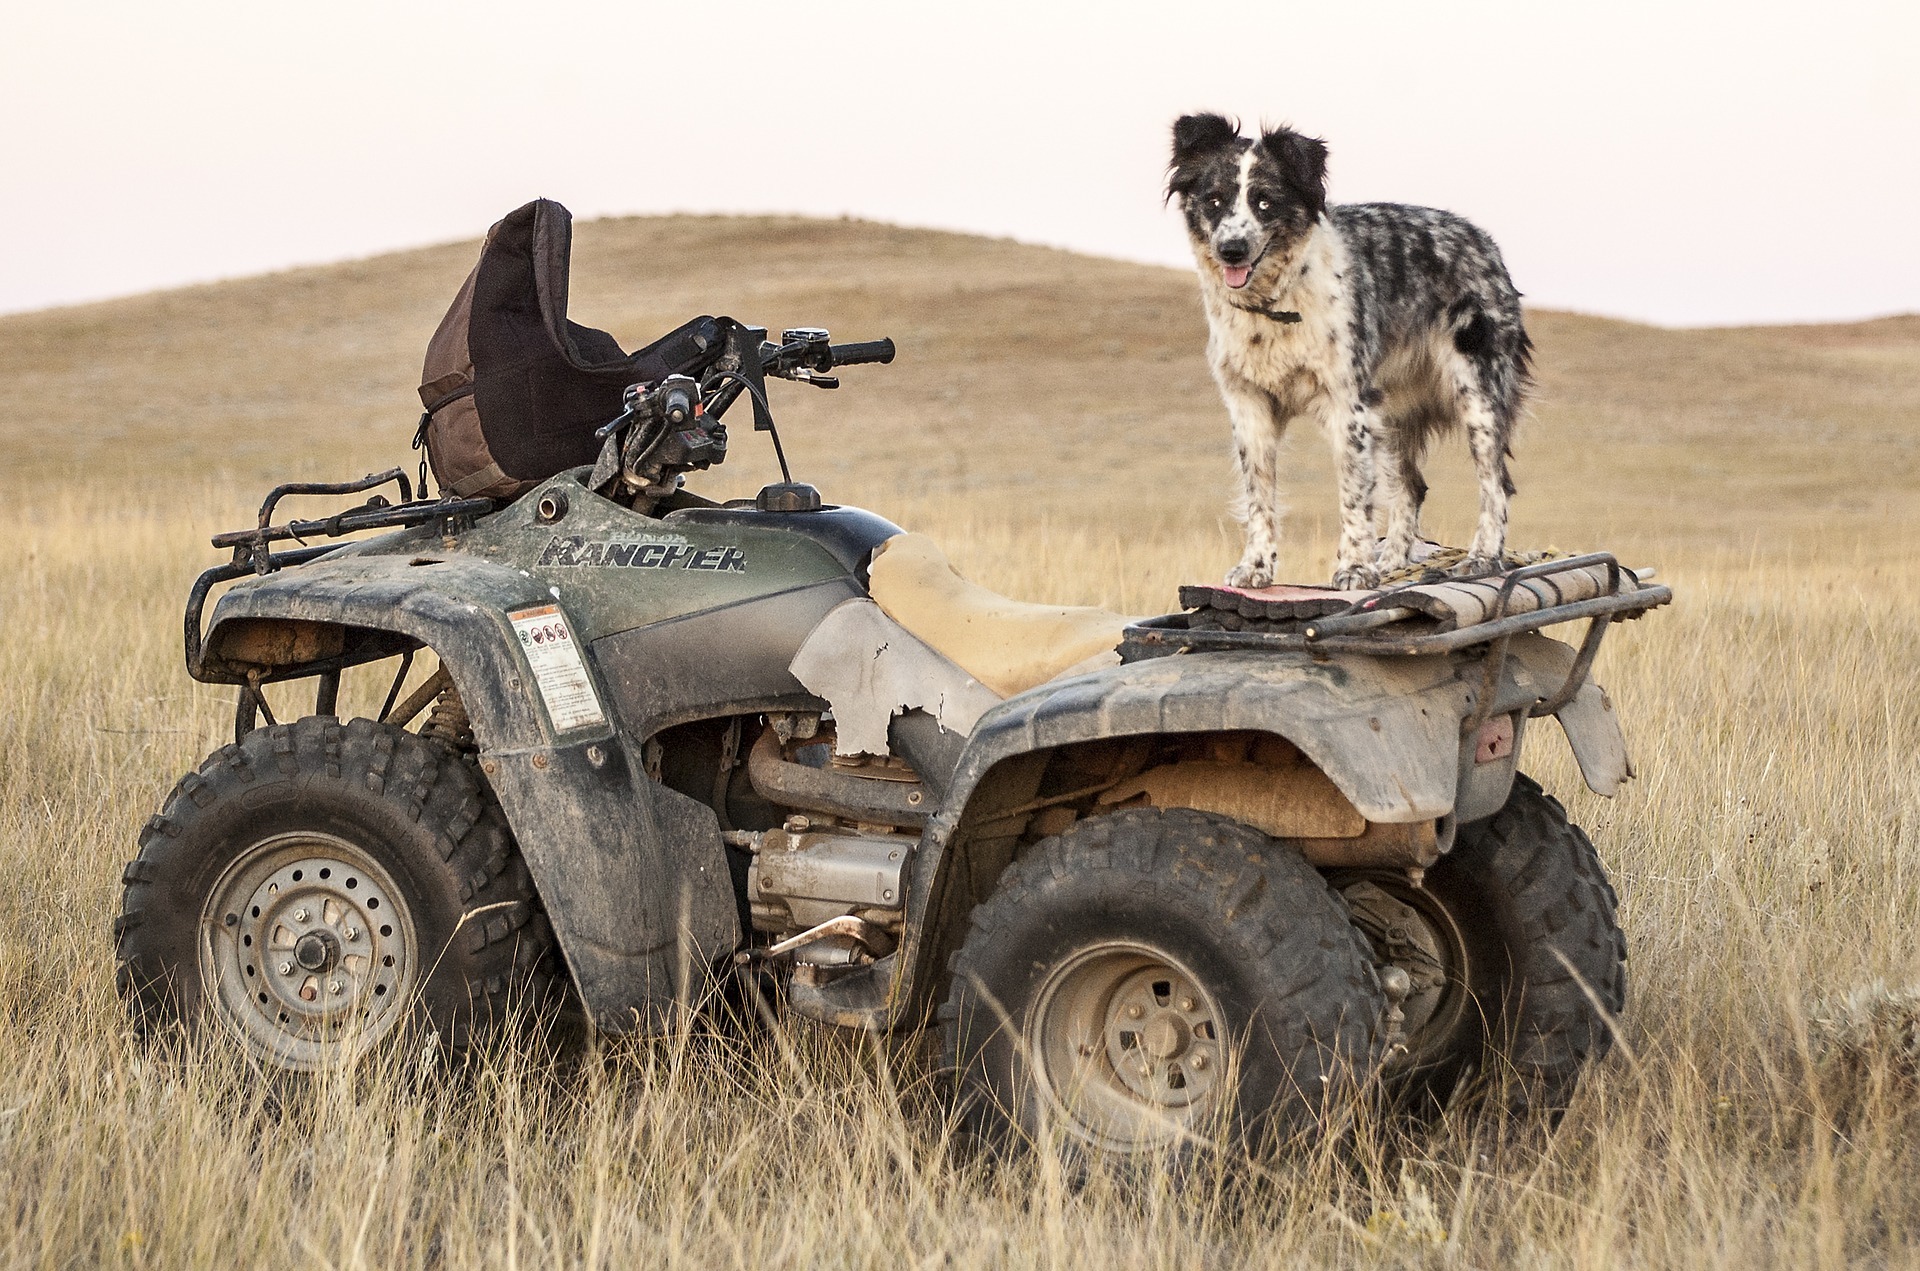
x: 633, y: 874
x: 1385, y: 731
x: 1591, y: 724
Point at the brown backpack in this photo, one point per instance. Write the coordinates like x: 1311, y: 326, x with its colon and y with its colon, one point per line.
x: 513, y: 390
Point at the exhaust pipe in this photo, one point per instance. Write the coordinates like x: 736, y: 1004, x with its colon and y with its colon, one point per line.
x: 863, y: 799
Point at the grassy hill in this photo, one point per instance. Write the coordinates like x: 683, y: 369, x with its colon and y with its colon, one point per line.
x: 1075, y: 384
x: 1051, y: 418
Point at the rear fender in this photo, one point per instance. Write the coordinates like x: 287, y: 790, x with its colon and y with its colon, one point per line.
x: 633, y: 875
x: 1588, y: 718
x: 1386, y: 732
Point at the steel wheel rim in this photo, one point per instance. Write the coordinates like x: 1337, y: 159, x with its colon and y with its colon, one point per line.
x: 1127, y: 1047
x: 308, y: 952
x: 1410, y: 928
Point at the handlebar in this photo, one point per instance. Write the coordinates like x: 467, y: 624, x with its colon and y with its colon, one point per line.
x: 862, y: 353
x: 804, y: 354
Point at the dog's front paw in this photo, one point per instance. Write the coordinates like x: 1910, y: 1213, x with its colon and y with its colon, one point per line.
x: 1392, y: 559
x: 1251, y: 574
x: 1356, y: 578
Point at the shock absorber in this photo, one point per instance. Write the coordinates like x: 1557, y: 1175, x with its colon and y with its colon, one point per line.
x: 448, y: 720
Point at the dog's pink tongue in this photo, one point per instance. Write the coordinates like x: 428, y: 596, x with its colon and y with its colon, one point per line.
x: 1236, y: 275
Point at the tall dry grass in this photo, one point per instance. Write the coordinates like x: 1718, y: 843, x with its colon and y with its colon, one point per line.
x: 1766, y: 859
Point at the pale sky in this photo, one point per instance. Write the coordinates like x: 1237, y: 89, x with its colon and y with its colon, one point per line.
x: 1679, y: 163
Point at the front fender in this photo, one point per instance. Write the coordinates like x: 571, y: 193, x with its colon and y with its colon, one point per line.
x: 633, y: 874
x: 457, y: 607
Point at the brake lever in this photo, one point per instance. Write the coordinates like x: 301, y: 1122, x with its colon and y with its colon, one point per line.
x: 814, y: 378
x: 607, y: 429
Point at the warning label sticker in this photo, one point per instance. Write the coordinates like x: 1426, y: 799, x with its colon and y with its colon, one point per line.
x: 555, y: 657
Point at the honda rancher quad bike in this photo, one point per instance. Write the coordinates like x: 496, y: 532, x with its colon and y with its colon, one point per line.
x: 1151, y: 879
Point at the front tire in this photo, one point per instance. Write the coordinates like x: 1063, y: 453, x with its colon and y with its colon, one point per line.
x: 1149, y: 977
x: 318, y: 887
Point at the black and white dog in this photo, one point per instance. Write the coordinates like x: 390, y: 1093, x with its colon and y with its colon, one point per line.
x: 1385, y: 323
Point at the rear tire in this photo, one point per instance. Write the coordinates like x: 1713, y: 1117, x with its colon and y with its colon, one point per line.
x: 1150, y: 978
x: 1523, y: 914
x: 320, y: 887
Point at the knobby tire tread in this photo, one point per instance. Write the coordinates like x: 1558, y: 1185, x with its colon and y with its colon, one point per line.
x: 1567, y: 952
x: 1271, y: 909
x: 503, y: 957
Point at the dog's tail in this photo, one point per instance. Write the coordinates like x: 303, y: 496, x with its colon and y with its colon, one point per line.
x: 1491, y: 332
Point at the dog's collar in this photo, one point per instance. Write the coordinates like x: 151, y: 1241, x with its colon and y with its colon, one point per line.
x: 1286, y: 317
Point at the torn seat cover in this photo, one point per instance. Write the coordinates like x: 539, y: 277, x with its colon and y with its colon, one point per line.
x: 871, y: 668
x: 1008, y: 645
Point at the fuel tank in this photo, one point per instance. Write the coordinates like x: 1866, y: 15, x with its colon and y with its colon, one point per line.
x: 691, y: 613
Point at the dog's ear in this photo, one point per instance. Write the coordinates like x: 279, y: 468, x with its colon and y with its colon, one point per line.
x: 1194, y: 135
x: 1304, y: 162
x: 1194, y: 138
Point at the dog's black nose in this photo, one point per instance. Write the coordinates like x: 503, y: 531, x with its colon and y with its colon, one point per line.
x: 1234, y: 251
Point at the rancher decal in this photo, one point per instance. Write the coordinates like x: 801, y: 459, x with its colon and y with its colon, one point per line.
x: 647, y: 554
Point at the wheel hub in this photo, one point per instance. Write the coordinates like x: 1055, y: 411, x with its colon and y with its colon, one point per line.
x: 1128, y: 1046
x: 1165, y: 1038
x: 316, y: 951
x: 309, y: 950
x: 1411, y: 931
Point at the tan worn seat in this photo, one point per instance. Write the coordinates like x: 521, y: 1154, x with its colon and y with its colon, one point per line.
x: 1008, y: 645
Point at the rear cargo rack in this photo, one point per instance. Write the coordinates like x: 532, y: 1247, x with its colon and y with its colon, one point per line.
x: 1369, y: 625
x: 1384, y: 624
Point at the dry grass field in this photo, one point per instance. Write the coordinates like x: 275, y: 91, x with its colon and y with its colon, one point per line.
x: 1051, y: 419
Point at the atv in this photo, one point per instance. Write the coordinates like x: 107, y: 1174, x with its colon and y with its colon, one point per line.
x: 1148, y: 878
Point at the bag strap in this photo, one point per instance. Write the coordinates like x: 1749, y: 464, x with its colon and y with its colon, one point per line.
x: 465, y: 390
x: 426, y: 419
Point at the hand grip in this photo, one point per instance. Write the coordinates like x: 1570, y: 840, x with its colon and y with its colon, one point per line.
x: 880, y: 351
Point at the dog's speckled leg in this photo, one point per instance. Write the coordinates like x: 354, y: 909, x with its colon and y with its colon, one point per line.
x: 1402, y: 491
x: 1257, y: 430
x: 1488, y: 444
x: 1352, y: 432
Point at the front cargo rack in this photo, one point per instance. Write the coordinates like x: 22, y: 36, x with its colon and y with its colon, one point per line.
x: 253, y: 554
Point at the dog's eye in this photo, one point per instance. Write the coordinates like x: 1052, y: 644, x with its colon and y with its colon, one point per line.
x: 1265, y: 206
x: 1215, y: 202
